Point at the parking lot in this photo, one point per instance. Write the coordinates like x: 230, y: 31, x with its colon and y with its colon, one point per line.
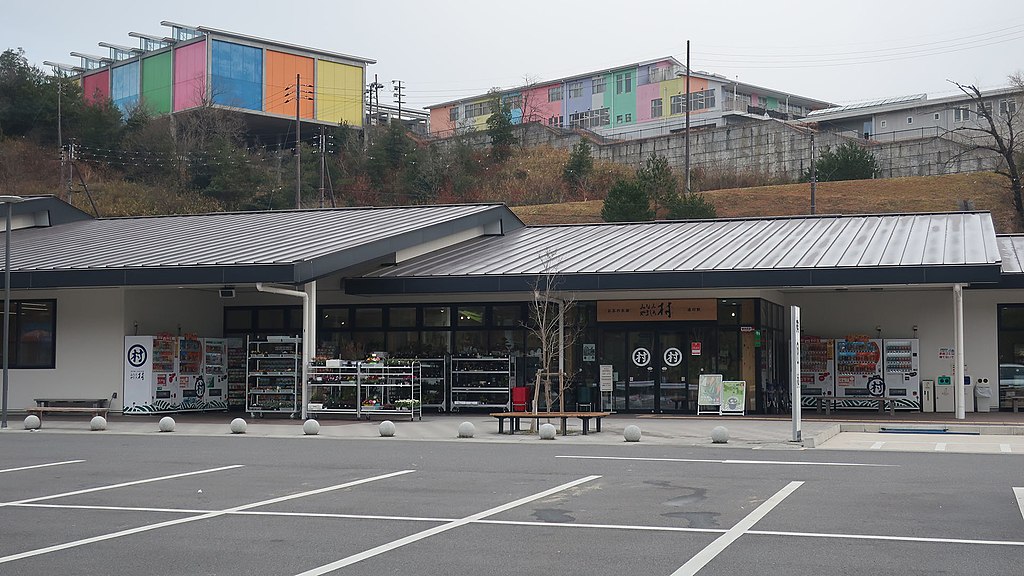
x: 164, y: 504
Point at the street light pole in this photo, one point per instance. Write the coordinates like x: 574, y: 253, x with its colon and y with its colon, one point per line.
x: 9, y: 200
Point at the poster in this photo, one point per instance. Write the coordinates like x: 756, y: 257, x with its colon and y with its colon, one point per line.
x: 709, y: 392
x: 734, y: 394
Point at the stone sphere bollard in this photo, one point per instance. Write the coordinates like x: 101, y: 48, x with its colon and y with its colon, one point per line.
x: 98, y: 423
x: 547, y: 431
x: 466, y: 430
x: 631, y: 433
x: 387, y: 428
x: 720, y: 435
x: 32, y: 422
x: 311, y: 427
x: 238, y: 426
x: 166, y: 424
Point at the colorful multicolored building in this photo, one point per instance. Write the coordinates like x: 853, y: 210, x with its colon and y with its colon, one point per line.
x: 197, y: 65
x: 640, y: 99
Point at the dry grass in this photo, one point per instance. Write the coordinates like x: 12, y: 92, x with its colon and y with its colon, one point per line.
x: 986, y: 190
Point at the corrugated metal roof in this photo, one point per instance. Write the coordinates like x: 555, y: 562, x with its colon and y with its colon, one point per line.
x: 1011, y: 248
x: 241, y: 239
x: 800, y: 243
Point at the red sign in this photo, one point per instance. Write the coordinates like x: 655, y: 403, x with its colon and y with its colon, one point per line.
x: 694, y: 348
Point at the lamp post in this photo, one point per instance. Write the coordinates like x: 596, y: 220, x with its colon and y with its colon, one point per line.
x: 9, y: 201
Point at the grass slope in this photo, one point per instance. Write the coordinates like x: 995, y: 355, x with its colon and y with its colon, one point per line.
x: 987, y: 191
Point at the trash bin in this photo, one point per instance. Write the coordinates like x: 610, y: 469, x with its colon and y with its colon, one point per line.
x: 982, y: 397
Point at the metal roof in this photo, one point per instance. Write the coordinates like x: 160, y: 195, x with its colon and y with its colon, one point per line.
x: 280, y: 246
x: 794, y: 251
x: 871, y: 103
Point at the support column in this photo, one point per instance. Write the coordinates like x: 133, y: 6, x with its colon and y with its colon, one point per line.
x: 958, y: 346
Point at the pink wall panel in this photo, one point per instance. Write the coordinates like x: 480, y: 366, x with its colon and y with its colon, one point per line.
x: 96, y: 87
x: 440, y: 121
x: 644, y: 94
x: 538, y: 107
x: 189, y: 76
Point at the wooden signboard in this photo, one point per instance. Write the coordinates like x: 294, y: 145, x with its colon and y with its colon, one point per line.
x: 657, y: 310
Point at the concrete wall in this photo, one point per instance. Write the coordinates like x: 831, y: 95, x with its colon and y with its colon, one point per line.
x: 184, y: 310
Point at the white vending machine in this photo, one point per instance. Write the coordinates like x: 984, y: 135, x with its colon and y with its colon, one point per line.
x: 902, y: 372
x: 817, y: 368
x: 215, y: 373
x: 859, y: 371
x: 150, y: 375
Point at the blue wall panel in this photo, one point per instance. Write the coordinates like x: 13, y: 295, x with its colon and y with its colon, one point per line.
x: 124, y: 86
x: 237, y: 75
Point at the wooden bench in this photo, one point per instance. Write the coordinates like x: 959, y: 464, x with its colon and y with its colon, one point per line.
x: 828, y: 401
x: 94, y: 406
x: 514, y: 419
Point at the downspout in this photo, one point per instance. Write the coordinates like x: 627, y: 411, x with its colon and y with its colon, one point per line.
x: 958, y: 326
x: 260, y: 287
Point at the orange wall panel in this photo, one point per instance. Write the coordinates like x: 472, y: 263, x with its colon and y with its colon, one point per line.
x: 278, y: 94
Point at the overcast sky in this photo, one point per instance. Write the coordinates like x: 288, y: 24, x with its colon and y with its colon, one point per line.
x: 444, y: 49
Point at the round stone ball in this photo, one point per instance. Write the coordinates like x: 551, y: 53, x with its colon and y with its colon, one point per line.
x: 547, y: 431
x: 466, y: 430
x: 311, y: 427
x: 387, y: 428
x: 238, y: 426
x: 32, y: 422
x: 98, y: 423
x: 631, y: 433
x: 166, y: 424
x: 720, y: 435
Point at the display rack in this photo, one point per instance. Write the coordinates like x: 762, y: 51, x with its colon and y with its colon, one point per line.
x: 333, y: 388
x: 392, y: 387
x: 273, y: 375
x: 236, y: 373
x: 481, y: 382
x: 433, y: 370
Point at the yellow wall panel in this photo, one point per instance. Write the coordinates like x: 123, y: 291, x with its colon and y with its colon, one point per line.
x: 339, y: 93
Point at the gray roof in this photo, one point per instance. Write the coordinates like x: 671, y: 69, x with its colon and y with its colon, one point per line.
x: 795, y: 251
x: 279, y: 246
x: 1011, y: 248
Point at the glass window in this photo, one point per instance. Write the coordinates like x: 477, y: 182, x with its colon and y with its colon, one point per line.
x: 599, y: 84
x: 334, y: 318
x: 270, y: 319
x: 366, y: 342
x: 910, y: 119
x: 471, y: 342
x: 295, y: 320
x: 576, y: 89
x: 470, y: 316
x: 436, y: 343
x: 32, y: 329
x: 624, y: 83
x: 507, y: 315
x: 402, y: 318
x: 453, y: 113
x: 507, y: 342
x: 555, y: 93
x: 437, y: 316
x: 237, y: 319
x: 656, y: 108
x: 369, y: 318
x: 678, y: 103
x: 404, y: 343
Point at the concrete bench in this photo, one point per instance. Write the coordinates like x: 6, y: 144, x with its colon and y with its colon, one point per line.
x: 93, y: 406
x: 514, y: 419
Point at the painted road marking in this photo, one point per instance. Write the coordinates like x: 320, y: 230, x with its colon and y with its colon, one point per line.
x: 695, y: 564
x: 348, y: 561
x: 41, y: 466
x: 121, y: 485
x: 887, y: 538
x: 1005, y: 448
x: 940, y: 446
x: 188, y: 519
x: 877, y: 445
x: 698, y: 460
x: 1019, y: 493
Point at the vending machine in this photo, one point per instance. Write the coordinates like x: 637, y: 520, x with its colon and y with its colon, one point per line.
x: 215, y: 373
x: 150, y: 375
x: 191, y: 388
x: 817, y: 368
x: 859, y: 371
x: 902, y: 372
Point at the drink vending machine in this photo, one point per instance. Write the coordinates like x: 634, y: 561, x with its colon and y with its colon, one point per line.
x: 902, y: 373
x: 859, y: 370
x: 817, y: 368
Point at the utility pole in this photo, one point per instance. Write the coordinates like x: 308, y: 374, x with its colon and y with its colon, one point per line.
x: 399, y: 96
x: 323, y: 163
x: 687, y: 168
x: 814, y: 176
x: 60, y: 134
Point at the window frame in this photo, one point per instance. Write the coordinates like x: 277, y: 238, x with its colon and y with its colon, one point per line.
x: 599, y: 84
x: 16, y: 334
x: 555, y: 93
x: 576, y: 89
x: 657, y: 108
x: 453, y: 114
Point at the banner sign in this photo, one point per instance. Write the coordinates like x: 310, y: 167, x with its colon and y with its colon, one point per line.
x: 709, y: 393
x: 734, y: 395
x: 657, y: 310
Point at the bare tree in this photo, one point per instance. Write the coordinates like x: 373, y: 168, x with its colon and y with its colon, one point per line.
x: 997, y: 130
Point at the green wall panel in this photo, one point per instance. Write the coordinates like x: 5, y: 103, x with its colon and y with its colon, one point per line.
x: 157, y: 83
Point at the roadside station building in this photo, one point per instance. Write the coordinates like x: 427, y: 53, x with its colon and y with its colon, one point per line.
x: 453, y: 282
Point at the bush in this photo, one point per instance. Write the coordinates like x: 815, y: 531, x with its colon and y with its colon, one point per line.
x: 847, y: 162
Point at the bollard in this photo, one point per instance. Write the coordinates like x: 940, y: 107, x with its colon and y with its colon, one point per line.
x: 166, y: 424
x: 466, y: 430
x: 632, y: 433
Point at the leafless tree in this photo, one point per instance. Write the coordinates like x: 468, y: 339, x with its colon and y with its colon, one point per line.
x: 997, y: 130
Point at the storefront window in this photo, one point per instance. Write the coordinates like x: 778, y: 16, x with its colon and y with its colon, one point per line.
x: 270, y: 319
x: 334, y: 318
x: 369, y: 318
x: 32, y: 328
x: 437, y: 316
x: 471, y: 342
x: 508, y: 315
x: 436, y: 343
x: 471, y: 316
x: 366, y: 342
x: 402, y: 317
x: 237, y: 320
x: 404, y: 343
x: 506, y: 342
x: 1011, y: 353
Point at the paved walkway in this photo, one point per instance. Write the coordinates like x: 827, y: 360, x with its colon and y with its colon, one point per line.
x: 998, y: 432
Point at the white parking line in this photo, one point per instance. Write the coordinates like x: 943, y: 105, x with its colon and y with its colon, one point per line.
x: 695, y: 564
x: 1019, y: 493
x: 779, y: 462
x: 121, y: 485
x: 188, y: 519
x: 1005, y: 448
x: 348, y: 561
x: 887, y: 538
x: 940, y: 446
x: 41, y: 466
x: 877, y: 445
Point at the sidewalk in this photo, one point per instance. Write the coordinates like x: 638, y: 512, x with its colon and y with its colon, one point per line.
x: 767, y: 432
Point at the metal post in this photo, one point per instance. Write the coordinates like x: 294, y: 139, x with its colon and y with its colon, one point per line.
x: 814, y: 176
x: 687, y: 117
x: 298, y: 145
x: 9, y: 200
x: 958, y: 324
x: 794, y: 372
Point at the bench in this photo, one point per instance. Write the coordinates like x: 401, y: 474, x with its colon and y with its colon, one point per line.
x: 514, y: 419
x: 93, y: 406
x: 828, y: 401
x: 1014, y: 401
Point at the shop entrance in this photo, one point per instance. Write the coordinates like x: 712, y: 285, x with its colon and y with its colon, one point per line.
x: 658, y: 370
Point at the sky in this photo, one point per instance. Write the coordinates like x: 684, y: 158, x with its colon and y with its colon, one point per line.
x: 442, y: 50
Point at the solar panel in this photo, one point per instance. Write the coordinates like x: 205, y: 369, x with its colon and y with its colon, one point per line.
x: 870, y: 103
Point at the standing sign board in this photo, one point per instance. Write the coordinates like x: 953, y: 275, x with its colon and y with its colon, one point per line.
x: 734, y: 395
x: 607, y: 375
x: 138, y: 371
x: 709, y: 394
x: 794, y: 371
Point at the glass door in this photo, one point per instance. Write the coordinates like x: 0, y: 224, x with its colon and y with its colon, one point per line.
x: 641, y: 375
x: 673, y: 347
